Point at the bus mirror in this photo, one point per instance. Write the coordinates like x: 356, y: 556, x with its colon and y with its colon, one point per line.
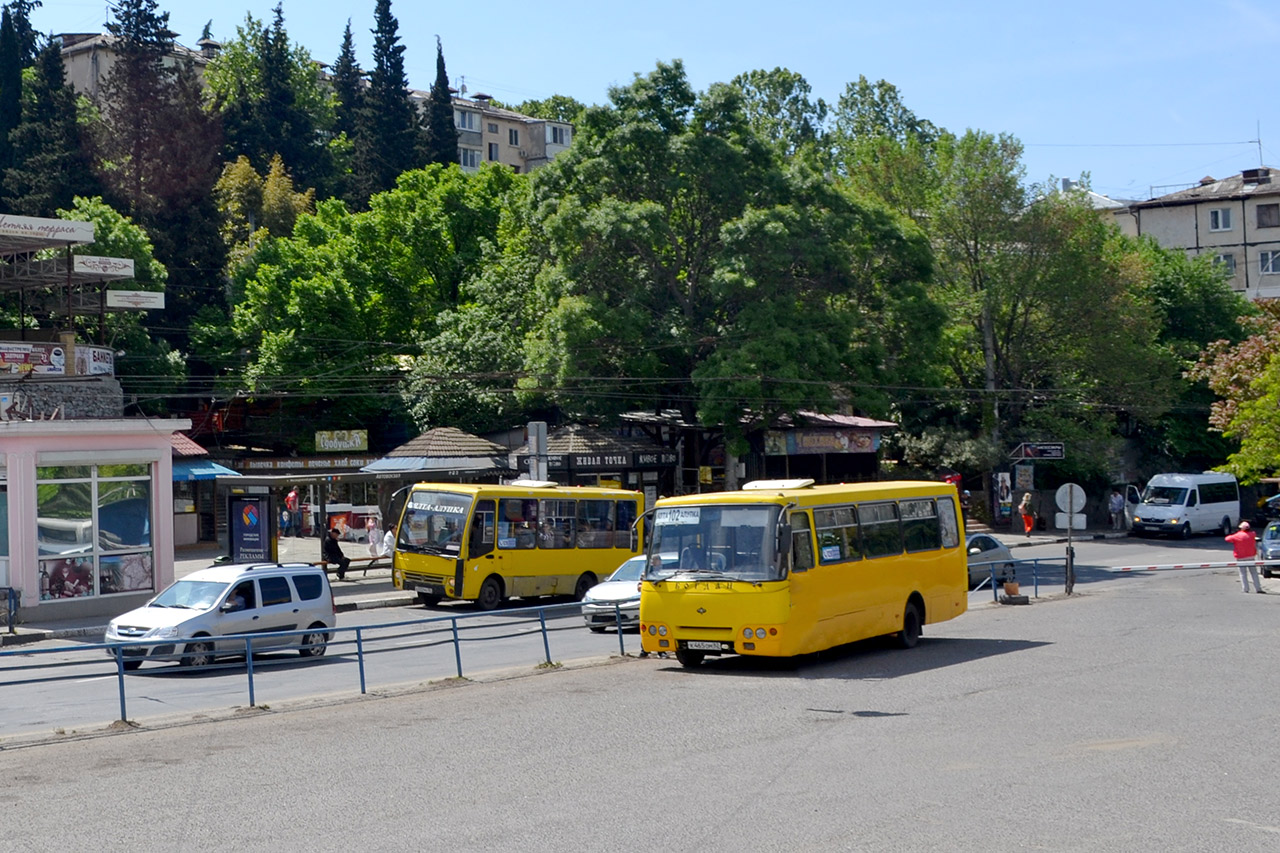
x: 635, y: 540
x: 784, y: 538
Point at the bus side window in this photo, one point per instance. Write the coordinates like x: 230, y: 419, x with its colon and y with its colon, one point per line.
x: 801, y: 542
x: 481, y: 539
x: 626, y: 518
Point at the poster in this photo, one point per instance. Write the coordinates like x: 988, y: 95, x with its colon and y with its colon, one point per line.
x: 253, y: 522
x: 1004, y: 496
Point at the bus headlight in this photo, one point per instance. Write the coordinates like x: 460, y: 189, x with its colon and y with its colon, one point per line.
x: 662, y: 630
x: 759, y: 633
x: 746, y: 632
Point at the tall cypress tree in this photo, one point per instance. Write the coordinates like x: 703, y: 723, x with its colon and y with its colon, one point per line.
x: 28, y: 38
x: 387, y: 141
x: 10, y: 87
x: 348, y: 87
x: 50, y: 164
x: 440, y: 137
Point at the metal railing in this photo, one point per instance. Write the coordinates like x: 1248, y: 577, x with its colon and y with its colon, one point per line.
x: 452, y: 630
x: 1035, y: 564
x: 11, y: 598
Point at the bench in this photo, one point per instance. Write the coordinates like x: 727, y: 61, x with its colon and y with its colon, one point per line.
x: 368, y: 563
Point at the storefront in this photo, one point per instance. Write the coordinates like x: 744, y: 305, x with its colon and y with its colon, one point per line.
x: 86, y: 514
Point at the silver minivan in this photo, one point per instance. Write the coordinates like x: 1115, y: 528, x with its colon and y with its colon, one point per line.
x: 186, y: 619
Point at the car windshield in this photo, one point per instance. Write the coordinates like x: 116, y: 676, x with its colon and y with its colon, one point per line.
x: 190, y: 595
x: 433, y: 522
x: 733, y: 541
x: 1272, y: 533
x: 1166, y: 495
x: 628, y: 571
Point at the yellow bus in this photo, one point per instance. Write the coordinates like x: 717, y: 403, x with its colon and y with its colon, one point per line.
x: 488, y: 543
x: 784, y: 567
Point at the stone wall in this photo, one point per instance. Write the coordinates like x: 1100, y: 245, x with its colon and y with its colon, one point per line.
x: 69, y: 398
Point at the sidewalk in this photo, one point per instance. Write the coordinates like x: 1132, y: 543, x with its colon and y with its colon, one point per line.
x: 362, y: 589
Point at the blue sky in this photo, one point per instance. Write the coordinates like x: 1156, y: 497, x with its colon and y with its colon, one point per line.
x: 1138, y: 93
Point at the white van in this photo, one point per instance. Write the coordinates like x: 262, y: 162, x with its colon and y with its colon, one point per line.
x: 1182, y: 504
x: 253, y: 598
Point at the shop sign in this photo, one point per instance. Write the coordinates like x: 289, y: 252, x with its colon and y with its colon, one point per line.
x: 136, y: 300
x: 798, y: 442
x: 112, y: 267
x: 594, y: 461
x: 38, y: 358
x: 342, y: 440
x: 67, y: 230
x: 95, y: 361
x: 305, y: 463
x: 653, y: 458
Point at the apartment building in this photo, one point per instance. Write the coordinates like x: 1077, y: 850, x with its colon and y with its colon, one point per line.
x: 1235, y: 219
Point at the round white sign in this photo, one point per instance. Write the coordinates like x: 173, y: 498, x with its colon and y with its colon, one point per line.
x: 1070, y: 498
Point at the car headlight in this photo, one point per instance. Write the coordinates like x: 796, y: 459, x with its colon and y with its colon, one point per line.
x: 163, y: 633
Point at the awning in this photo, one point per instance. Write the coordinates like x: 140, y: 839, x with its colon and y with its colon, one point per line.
x: 421, y: 464
x: 200, y: 469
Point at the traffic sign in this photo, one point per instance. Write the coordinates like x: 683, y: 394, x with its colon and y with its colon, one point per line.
x: 1039, y: 450
x: 1070, y: 498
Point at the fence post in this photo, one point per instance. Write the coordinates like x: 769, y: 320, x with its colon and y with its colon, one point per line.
x: 120, y: 679
x: 359, y: 657
x: 457, y: 647
x: 546, y: 646
x: 248, y: 660
x: 617, y: 613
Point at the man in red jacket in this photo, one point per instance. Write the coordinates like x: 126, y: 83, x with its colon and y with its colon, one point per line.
x: 1245, y: 548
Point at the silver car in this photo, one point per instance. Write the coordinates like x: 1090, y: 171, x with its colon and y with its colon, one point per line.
x: 986, y: 552
x: 616, y: 600
x: 1269, y: 548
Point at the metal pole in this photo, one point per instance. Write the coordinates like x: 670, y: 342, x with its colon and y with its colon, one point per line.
x: 457, y: 648
x: 120, y: 678
x: 617, y: 612
x: 248, y: 659
x: 359, y: 658
x: 546, y: 646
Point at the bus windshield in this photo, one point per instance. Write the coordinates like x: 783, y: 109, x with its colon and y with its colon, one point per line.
x: 1164, y: 495
x: 733, y: 541
x: 433, y: 523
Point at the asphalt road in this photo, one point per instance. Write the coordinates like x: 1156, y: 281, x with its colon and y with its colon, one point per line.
x: 1132, y: 716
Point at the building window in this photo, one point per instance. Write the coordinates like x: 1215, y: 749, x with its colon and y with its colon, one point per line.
x: 493, y: 128
x: 557, y: 135
x: 1269, y: 216
x: 1227, y: 262
x: 1269, y: 263
x: 469, y: 158
x: 493, y: 151
x: 1220, y: 219
x: 93, y: 529
x: 466, y: 120
x: 513, y: 136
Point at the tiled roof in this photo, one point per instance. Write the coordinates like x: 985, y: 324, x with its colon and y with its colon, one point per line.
x: 585, y: 439
x: 184, y: 447
x: 448, y: 441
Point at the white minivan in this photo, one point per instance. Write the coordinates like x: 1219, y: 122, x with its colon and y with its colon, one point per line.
x: 189, y: 617
x: 1182, y: 504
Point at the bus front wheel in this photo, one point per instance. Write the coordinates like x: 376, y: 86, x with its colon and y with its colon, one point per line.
x: 490, y: 594
x: 910, y: 633
x: 689, y: 658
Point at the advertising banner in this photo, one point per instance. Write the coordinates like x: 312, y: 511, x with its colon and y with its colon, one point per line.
x: 40, y: 358
x: 95, y: 361
x: 342, y: 440
x: 253, y: 528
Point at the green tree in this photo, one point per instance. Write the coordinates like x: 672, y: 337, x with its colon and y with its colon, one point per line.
x: 10, y: 87
x: 555, y: 108
x: 272, y: 101
x: 28, y: 39
x: 348, y: 87
x: 50, y: 163
x: 779, y: 107
x: 682, y: 250
x: 389, y: 132
x: 440, y: 134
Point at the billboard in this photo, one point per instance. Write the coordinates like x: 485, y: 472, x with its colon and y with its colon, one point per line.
x: 252, y: 521
x: 47, y: 359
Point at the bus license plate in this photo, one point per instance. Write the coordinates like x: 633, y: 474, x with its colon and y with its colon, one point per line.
x: 427, y: 589
x: 703, y: 645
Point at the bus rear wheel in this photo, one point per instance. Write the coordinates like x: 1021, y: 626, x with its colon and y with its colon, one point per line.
x: 583, y: 585
x: 688, y: 657
x: 490, y: 594
x: 910, y: 633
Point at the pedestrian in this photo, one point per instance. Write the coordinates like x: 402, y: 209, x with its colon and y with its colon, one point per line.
x: 965, y: 500
x: 1028, y: 515
x: 332, y: 553
x: 1245, y: 548
x: 291, y: 506
x: 1116, y: 507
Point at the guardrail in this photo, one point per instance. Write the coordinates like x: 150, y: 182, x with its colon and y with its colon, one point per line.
x: 435, y: 631
x: 1034, y: 564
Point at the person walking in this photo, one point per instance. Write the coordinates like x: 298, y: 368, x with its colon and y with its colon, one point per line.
x: 1116, y: 507
x: 1028, y: 515
x: 291, y: 506
x: 1245, y: 549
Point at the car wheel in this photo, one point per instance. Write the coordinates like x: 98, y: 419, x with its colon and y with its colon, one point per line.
x: 689, y: 658
x: 490, y: 594
x: 1225, y: 527
x: 584, y: 584
x: 198, y: 654
x: 597, y: 629
x: 910, y: 633
x: 1266, y: 573
x: 313, y: 643
x: 428, y: 600
x: 1185, y: 531
x: 131, y: 665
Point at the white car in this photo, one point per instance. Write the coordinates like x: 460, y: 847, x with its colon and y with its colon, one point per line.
x: 985, y: 550
x: 617, y: 596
